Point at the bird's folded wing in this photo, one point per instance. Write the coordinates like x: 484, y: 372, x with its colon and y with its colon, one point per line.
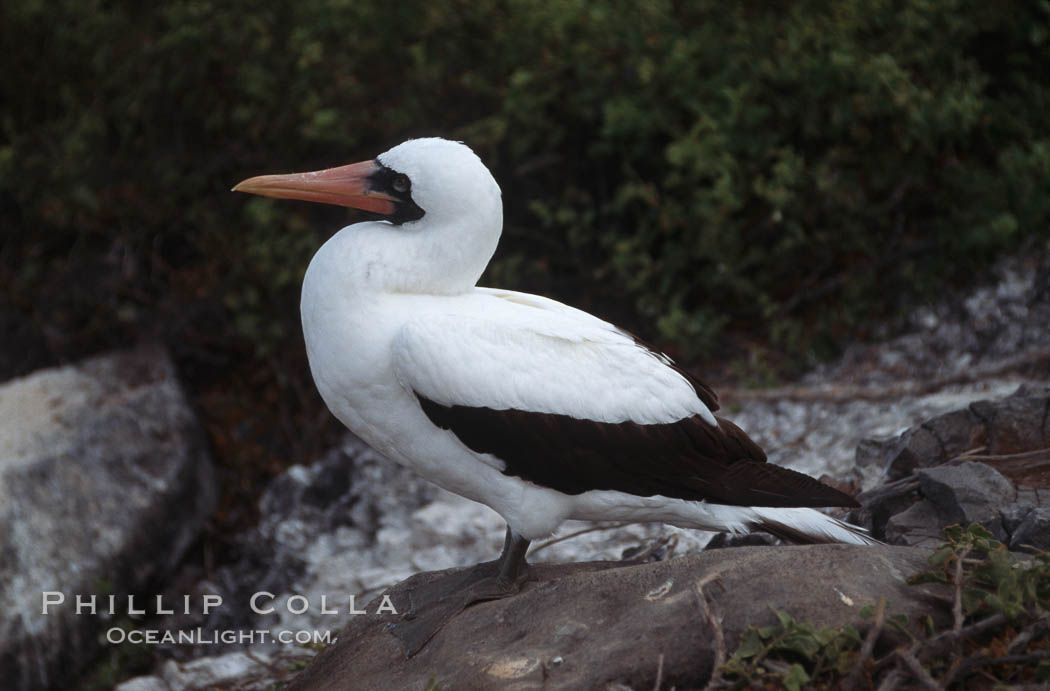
x: 513, y: 357
x: 573, y: 404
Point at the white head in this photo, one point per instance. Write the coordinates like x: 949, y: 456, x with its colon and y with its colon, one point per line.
x: 447, y: 180
x: 442, y: 210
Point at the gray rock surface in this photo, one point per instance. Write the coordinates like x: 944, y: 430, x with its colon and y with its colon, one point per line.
x: 233, y: 670
x: 596, y: 625
x: 1033, y: 531
x: 991, y: 465
x: 967, y: 493
x: 105, y: 481
x: 952, y: 494
x: 918, y: 525
x: 1014, y: 424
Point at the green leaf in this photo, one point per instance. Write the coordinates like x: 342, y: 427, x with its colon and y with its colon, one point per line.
x: 750, y: 644
x: 785, y: 619
x: 954, y: 533
x: 804, y: 643
x: 795, y: 677
x: 978, y: 531
x: 943, y: 554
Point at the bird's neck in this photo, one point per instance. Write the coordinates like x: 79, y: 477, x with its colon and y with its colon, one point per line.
x: 432, y: 259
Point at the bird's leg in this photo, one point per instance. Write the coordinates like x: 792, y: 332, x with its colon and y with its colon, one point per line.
x: 512, y: 565
x: 434, y: 603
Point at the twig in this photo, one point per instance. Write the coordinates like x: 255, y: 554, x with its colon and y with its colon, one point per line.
x: 563, y: 538
x: 916, y: 669
x: 1026, y: 458
x: 855, y: 674
x: 957, y: 584
x: 659, y: 672
x: 974, y: 663
x: 1035, y: 628
x: 953, y: 670
x: 940, y: 642
x: 714, y: 620
x: 892, y: 680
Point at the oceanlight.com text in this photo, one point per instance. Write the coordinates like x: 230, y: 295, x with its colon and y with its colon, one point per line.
x: 199, y: 636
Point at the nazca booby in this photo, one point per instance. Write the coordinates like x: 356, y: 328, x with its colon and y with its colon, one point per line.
x: 539, y: 410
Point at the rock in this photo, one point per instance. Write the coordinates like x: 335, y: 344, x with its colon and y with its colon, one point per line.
x: 213, y: 672
x: 1014, y: 424
x: 915, y: 511
x: 338, y: 490
x: 600, y: 625
x: 879, y: 505
x: 1017, y: 423
x: 317, y: 535
x: 920, y: 525
x: 722, y: 540
x: 1013, y: 516
x: 1034, y: 531
x: 105, y: 481
x: 967, y: 493
x: 144, y: 684
x: 233, y: 670
x: 915, y: 448
x: 987, y: 463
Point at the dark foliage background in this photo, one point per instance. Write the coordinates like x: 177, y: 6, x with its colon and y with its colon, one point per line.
x: 724, y: 178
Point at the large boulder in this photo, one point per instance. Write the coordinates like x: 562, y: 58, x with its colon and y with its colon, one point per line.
x: 604, y: 625
x: 105, y: 481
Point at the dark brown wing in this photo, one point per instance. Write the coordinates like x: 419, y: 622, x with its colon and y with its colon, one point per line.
x: 687, y: 459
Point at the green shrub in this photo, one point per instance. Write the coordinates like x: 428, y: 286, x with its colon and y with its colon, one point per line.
x: 784, y: 169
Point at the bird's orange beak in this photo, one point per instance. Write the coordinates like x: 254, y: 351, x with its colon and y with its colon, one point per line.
x: 344, y: 186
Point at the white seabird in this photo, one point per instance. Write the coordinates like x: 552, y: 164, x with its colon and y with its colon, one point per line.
x: 539, y: 410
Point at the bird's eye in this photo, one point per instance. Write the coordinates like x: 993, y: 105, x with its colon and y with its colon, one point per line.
x: 401, y: 183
